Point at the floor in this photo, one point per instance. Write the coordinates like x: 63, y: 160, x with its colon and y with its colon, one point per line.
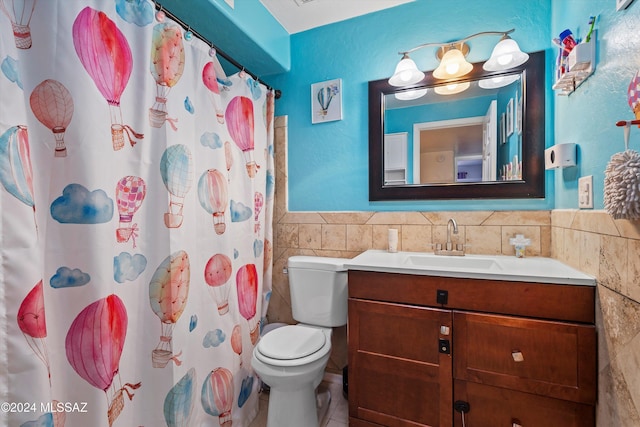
x: 337, y: 415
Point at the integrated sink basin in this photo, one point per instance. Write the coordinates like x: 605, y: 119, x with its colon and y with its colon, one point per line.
x: 496, y: 267
x: 443, y: 261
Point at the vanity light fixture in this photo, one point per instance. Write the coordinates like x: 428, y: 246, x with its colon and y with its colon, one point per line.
x: 506, y: 54
x: 406, y: 73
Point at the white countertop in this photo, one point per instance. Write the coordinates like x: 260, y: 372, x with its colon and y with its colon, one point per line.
x: 495, y: 267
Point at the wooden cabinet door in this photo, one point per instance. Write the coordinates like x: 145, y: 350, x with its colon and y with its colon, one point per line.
x: 553, y: 359
x: 498, y: 407
x: 400, y: 368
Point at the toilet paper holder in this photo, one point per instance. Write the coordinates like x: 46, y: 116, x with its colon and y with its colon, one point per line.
x: 560, y: 156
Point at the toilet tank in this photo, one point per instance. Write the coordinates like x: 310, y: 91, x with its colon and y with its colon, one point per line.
x: 318, y: 288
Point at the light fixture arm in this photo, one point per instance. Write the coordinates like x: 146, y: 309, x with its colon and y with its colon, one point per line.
x: 458, y: 42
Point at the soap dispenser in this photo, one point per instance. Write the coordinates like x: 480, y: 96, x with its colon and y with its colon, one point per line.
x: 520, y: 243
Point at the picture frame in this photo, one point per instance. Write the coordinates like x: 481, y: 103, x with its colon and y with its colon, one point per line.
x: 503, y: 128
x: 326, y: 101
x: 509, y: 114
x: 622, y: 4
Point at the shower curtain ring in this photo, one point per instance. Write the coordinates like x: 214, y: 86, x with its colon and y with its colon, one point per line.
x: 188, y: 35
x: 160, y: 15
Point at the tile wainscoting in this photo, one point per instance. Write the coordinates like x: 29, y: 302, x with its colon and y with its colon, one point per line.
x: 608, y: 249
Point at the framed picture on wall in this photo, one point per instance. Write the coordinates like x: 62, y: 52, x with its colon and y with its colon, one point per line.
x: 622, y: 4
x: 326, y: 101
x: 509, y: 113
x: 503, y: 128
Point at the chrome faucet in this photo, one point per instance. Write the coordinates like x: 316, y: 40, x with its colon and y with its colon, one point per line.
x: 452, y: 222
x: 448, y: 249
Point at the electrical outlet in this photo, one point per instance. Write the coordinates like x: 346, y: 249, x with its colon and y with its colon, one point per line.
x: 585, y: 192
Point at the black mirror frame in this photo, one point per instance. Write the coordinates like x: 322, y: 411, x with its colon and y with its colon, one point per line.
x: 533, y: 143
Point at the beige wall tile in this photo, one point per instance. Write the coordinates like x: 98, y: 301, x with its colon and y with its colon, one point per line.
x: 346, y: 217
x: 483, y: 239
x: 595, y: 221
x: 461, y: 217
x: 310, y: 236
x: 334, y: 237
x: 627, y: 228
x: 613, y: 262
x: 303, y: 218
x: 416, y: 238
x: 545, y: 241
x: 280, y: 121
x: 518, y: 218
x: 590, y: 253
x: 359, y: 237
x: 397, y: 218
x: 562, y: 217
x: 557, y: 243
x: 571, y: 248
x: 628, y: 363
x: 631, y: 286
x: 287, y: 235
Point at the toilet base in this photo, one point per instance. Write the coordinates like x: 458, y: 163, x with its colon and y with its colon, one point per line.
x: 323, y: 401
x: 292, y: 408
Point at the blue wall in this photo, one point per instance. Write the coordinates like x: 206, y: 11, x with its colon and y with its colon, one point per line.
x: 588, y: 116
x: 248, y: 32
x: 328, y: 162
x: 328, y: 169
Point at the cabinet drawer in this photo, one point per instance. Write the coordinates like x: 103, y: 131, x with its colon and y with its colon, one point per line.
x: 554, y: 359
x: 495, y: 407
x: 569, y: 303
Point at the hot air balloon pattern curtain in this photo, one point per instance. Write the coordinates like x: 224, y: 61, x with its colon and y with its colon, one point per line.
x: 136, y: 205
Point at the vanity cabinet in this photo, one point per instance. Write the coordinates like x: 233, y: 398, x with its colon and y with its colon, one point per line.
x: 517, y: 353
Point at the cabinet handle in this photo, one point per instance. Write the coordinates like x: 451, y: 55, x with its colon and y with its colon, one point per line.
x: 515, y: 424
x: 517, y: 357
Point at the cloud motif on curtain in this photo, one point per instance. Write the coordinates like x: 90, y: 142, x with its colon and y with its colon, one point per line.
x: 139, y: 12
x: 9, y: 67
x: 68, y: 278
x: 213, y: 338
x: 128, y: 267
x: 78, y: 205
x: 240, y: 212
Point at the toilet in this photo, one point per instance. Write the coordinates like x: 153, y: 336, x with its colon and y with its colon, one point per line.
x: 291, y: 359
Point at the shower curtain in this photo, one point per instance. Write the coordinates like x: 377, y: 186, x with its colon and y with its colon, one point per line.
x: 136, y: 210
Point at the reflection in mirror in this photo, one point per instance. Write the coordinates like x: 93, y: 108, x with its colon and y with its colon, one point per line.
x: 453, y: 135
x: 480, y: 136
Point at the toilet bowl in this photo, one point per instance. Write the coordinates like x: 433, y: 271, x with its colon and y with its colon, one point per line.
x: 291, y: 359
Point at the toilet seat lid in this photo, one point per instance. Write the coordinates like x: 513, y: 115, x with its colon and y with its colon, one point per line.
x: 291, y: 342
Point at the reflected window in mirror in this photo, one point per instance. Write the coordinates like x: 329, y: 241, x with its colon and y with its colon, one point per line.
x: 481, y: 136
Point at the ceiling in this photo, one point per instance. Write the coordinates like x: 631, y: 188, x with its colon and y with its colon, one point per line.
x: 301, y: 15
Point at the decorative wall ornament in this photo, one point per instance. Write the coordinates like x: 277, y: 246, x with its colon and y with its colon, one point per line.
x: 326, y: 101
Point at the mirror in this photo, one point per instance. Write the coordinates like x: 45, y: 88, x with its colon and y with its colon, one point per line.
x: 480, y: 136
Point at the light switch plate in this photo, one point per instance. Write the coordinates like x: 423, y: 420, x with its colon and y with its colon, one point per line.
x: 585, y: 192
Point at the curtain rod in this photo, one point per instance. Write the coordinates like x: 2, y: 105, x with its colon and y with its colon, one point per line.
x: 277, y: 93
